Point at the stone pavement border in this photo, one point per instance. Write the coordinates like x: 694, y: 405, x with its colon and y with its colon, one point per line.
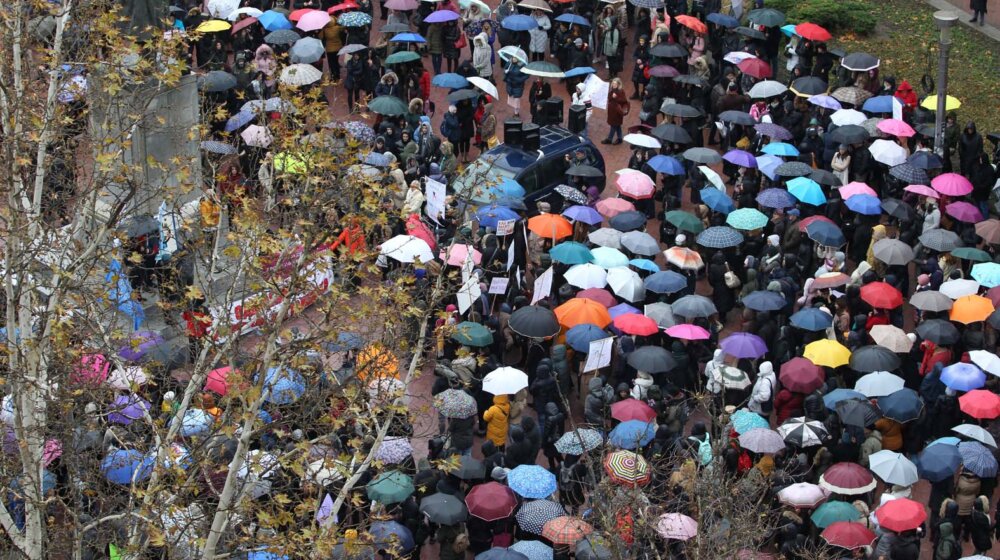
x: 962, y: 7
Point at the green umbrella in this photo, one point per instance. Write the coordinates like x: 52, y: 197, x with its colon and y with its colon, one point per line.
x: 768, y: 17
x: 402, y: 56
x: 388, y: 105
x: 571, y: 252
x: 390, y: 488
x: 747, y: 219
x: 831, y: 512
x: 685, y: 221
x: 472, y: 334
x: 971, y: 254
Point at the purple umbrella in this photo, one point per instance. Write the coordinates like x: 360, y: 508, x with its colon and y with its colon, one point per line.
x: 826, y: 102
x: 139, y: 345
x: 744, y: 345
x: 584, y: 214
x: 775, y: 198
x: 622, y: 309
x: 127, y: 408
x: 394, y: 450
x: 962, y: 376
x: 774, y: 131
x: 964, y: 212
x: 441, y: 16
x: 664, y: 71
x: 740, y: 158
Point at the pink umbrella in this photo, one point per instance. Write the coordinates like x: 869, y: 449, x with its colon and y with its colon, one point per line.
x: 896, y: 127
x: 803, y: 495
x: 688, y: 331
x: 217, y: 380
x: 52, y: 451
x: 457, y: 254
x: 676, y: 526
x: 93, y: 368
x: 611, y: 207
x: 951, y: 184
x: 316, y: 19
x: 922, y: 190
x: 258, y: 136
x: 635, y: 185
x: 854, y: 187
x: 418, y: 229
x: 600, y: 295
x: 402, y: 5
x: 964, y: 212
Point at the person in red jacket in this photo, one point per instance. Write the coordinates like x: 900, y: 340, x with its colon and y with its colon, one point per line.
x: 933, y: 354
x: 907, y: 97
x: 425, y: 86
x: 787, y: 404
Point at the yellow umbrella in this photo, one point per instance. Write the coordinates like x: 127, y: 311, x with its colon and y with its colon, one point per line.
x: 950, y: 103
x: 213, y: 26
x: 289, y: 163
x: 827, y: 353
x: 375, y: 361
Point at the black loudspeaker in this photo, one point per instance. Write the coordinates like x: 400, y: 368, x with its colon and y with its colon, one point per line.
x: 531, y: 136
x: 577, y: 119
x: 553, y: 108
x: 512, y: 135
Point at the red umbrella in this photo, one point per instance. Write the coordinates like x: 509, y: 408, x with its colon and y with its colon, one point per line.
x: 803, y: 224
x: 491, y: 501
x: 297, y: 14
x: 881, y: 295
x: 980, y: 403
x: 343, y: 6
x: 600, y: 295
x: 633, y: 323
x: 901, y: 514
x: 692, y: 23
x: 755, y: 67
x: 848, y: 479
x: 847, y: 534
x: 813, y: 32
x: 632, y: 409
x: 799, y: 375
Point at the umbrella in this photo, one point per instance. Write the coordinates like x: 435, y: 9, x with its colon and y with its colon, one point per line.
x: 283, y: 385
x: 834, y: 397
x: 938, y: 331
x: 986, y: 360
x: 963, y: 376
x: 684, y: 258
x: 803, y: 432
x: 484, y: 85
x: 811, y: 319
x: 579, y: 441
x: 826, y: 233
x: 903, y: 405
x: 717, y: 200
x: 893, y: 468
x: 313, y: 21
x: 407, y: 38
x: 952, y: 184
x: 977, y: 459
x: 534, y: 550
x: 881, y: 295
x: 257, y: 136
x: 390, y: 487
x: 407, y: 249
x: 566, y: 530
x: 959, y: 288
x: 500, y: 553
x: 848, y: 535
x: 490, y: 216
x: 736, y: 117
x: 580, y: 336
x: 755, y: 67
x: 455, y: 403
x: 633, y: 409
x: 442, y: 16
x: 801, y: 376
x: 977, y: 433
x: 216, y: 147
x: 685, y: 221
x: 988, y: 273
x: 860, y: 62
x: 736, y: 379
x: 239, y: 120
x: 534, y: 514
x: 776, y: 132
x: 444, y: 509
x: 768, y: 17
x: 582, y: 311
x: 505, y: 381
x: 938, y: 461
x: 633, y: 323
x: 216, y: 81
x: 740, y: 158
x: 781, y: 149
x: 571, y: 252
x: 762, y: 440
x: 864, y: 204
x: 600, y: 295
x: 676, y: 526
x: 611, y: 207
x: 950, y: 103
x: 542, y: 69
x: 668, y: 50
x: 628, y: 221
x: 586, y: 276
x: 833, y: 511
x: 450, y: 80
x: 694, y: 306
x: 901, y: 514
x: 980, y: 403
x: 640, y: 243
x: 661, y: 313
x: 847, y: 478
x: 747, y: 219
x: 631, y: 434
x: 469, y: 468
x: 669, y: 132
x: 301, y: 75
x: 764, y: 300
x: 125, y: 409
x: 856, y: 412
x: 743, y: 421
x: 643, y: 141
x: 702, y: 155
x: 964, y: 212
x: 635, y: 185
x: 891, y: 337
x: 720, y: 237
x: 491, y: 501
x: 989, y: 230
x: 650, y: 359
x: 394, y: 450
x: 627, y: 468
x: 534, y: 322
x: 802, y: 495
x: 355, y: 19
x: 807, y: 191
x: 744, y: 345
x: 867, y: 359
x: 765, y: 89
x: 825, y: 101
x: 687, y: 331
x: 125, y: 466
x: 795, y: 169
x: 751, y: 33
x: 531, y: 481
x: 895, y: 127
x: 272, y: 20
x: 391, y: 535
x: 971, y: 309
x: 807, y: 86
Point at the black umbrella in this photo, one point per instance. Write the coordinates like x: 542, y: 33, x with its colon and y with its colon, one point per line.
x: 903, y: 405
x: 768, y: 17
x: 824, y: 177
x: 874, y: 358
x: 750, y: 32
x: 216, y: 81
x: 860, y: 62
x: 669, y: 132
x: 925, y: 160
x: 857, y: 412
x: 652, y: 359
x: 469, y: 468
x: 809, y: 85
x: 736, y: 117
x: 702, y: 155
x: 534, y: 322
x: 680, y: 110
x: 584, y: 171
x: 938, y: 331
x: 899, y: 209
x: 849, y: 134
x: 592, y: 548
x: 994, y: 319
x: 764, y: 300
x: 628, y: 221
x: 803, y: 432
x: 826, y: 233
x: 668, y: 50
x: 444, y: 509
x: 691, y: 79
x: 910, y: 174
x: 281, y: 37
x: 793, y: 169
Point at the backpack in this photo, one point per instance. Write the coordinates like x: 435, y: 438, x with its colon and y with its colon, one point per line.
x: 767, y: 407
x: 704, y: 449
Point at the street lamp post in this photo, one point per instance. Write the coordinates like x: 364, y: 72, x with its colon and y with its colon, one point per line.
x: 944, y: 20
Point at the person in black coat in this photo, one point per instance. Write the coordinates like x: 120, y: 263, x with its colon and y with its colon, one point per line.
x: 555, y: 426
x: 354, y: 79
x: 982, y: 539
x: 492, y: 457
x: 722, y: 295
x: 543, y: 391
x: 970, y: 145
x: 449, y: 36
x: 518, y: 451
x: 532, y: 435
x: 906, y: 547
x: 460, y: 432
x: 540, y: 91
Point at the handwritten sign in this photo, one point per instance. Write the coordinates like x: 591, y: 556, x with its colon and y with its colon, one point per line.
x: 599, y: 354
x: 499, y: 285
x: 505, y: 227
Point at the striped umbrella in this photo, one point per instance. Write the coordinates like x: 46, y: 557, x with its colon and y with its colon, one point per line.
x: 534, y: 514
x: 977, y: 459
x: 627, y: 468
x: 803, y: 432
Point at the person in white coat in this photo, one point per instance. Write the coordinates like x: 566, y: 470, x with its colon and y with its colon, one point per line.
x: 763, y: 390
x: 641, y: 385
x: 539, y: 35
x: 713, y: 373
x: 481, y: 56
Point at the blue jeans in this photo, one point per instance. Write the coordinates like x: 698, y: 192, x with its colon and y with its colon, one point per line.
x: 614, y: 130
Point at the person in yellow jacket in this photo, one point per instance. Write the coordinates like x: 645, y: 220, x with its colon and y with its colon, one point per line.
x: 333, y: 39
x: 496, y: 421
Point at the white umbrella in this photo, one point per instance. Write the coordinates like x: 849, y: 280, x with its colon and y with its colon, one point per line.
x: 535, y: 5
x: 587, y: 275
x: 125, y: 377
x: 959, y: 287
x: 892, y: 337
x: 988, y: 361
x: 879, y: 384
x: 643, y: 141
x: 606, y: 237
x: 887, y: 152
x: 257, y: 136
x: 802, y: 494
x: 300, y: 75
x: 485, y: 85
x: 252, y: 12
x: 976, y: 433
x: 510, y: 51
x: 483, y: 8
x: 737, y: 57
x: 626, y: 284
x: 222, y: 8
x: 844, y: 117
x: 505, y: 381
x: 893, y: 468
x: 712, y: 177
x: 407, y: 249
x: 767, y: 88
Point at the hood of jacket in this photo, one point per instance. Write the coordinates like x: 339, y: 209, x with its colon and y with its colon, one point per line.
x: 481, y: 40
x: 558, y: 352
x: 501, y: 400
x: 596, y: 387
x: 971, y: 125
x: 390, y: 74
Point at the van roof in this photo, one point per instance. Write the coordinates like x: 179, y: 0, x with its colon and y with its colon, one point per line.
x: 552, y: 139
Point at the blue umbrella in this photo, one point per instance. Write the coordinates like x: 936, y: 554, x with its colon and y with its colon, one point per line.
x: 532, y: 481
x: 579, y: 71
x: 580, y: 336
x: 812, y: 319
x: 807, y: 191
x: 880, y: 104
x: 788, y: 30
x: 723, y: 20
x: 666, y: 165
x: 632, y: 434
x: 987, y: 274
x: 865, y: 204
x: 826, y: 233
x: 782, y: 149
x: 265, y: 555
x: 507, y: 188
x: 622, y: 309
x: 239, y: 120
x: 768, y: 165
x: 519, y: 22
x: 775, y: 198
x: 644, y: 264
x: 450, y: 80
x: 441, y: 16
x: 717, y: 200
x: 500, y: 553
x: 571, y: 252
x: 743, y: 421
x: 740, y: 158
x: 196, y: 422
x: 376, y: 159
x: 963, y: 377
x: 489, y: 216
x: 286, y: 386
x: 392, y: 535
x: 947, y: 440
x: 764, y: 300
x: 407, y: 38
x: 903, y: 405
x: 584, y: 214
x: 534, y: 550
x: 835, y: 396
x: 121, y: 466
x: 573, y: 19
x: 977, y: 459
x: 938, y: 462
x: 665, y: 282
x: 354, y: 19
x: 273, y: 21
x: 719, y: 237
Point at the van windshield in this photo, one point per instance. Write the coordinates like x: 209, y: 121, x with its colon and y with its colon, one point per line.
x: 474, y: 182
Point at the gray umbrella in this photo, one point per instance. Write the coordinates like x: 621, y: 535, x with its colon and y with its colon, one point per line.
x: 640, y: 243
x: 892, y: 251
x: 351, y: 49
x: 584, y: 171
x: 736, y: 117
x: 857, y: 412
x: 307, y: 50
x: 874, y: 358
x: 941, y: 240
x: 444, y: 509
x: 849, y: 134
x: 909, y: 173
x: 469, y: 468
x: 767, y: 88
x: 680, y: 110
x: 652, y: 359
x: 931, y: 300
x: 899, y: 209
x: 720, y: 237
x: 670, y: 132
x: 702, y: 155
x: 793, y: 169
x: 693, y: 306
x: 281, y: 37
x: 860, y: 62
x: 628, y: 221
x: 216, y: 81
x: 824, y: 177
x: 668, y: 50
x: 750, y: 32
x: 662, y: 314
x: 938, y: 331
x: 691, y: 79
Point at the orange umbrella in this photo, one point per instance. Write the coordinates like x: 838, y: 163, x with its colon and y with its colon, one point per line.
x: 376, y: 361
x: 684, y: 258
x: 550, y: 226
x: 971, y: 309
x: 580, y: 311
x: 692, y: 23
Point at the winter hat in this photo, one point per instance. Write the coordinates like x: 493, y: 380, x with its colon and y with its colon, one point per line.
x: 578, y: 42
x: 680, y: 239
x: 499, y: 474
x: 773, y: 239
x: 923, y: 279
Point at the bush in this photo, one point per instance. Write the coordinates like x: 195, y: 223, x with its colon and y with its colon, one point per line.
x: 837, y: 16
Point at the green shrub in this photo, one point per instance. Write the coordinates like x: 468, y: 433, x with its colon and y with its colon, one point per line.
x: 837, y: 16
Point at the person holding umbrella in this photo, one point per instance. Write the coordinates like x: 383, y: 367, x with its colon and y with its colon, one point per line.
x: 514, y: 80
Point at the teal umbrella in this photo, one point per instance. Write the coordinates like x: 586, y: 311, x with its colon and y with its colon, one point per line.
x: 472, y: 334
x: 971, y: 254
x: 807, y: 191
x: 402, y: 56
x: 685, y: 221
x: 743, y: 421
x: 390, y: 488
x: 986, y: 273
x: 747, y: 219
x: 832, y: 512
x: 571, y: 252
x: 387, y: 105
